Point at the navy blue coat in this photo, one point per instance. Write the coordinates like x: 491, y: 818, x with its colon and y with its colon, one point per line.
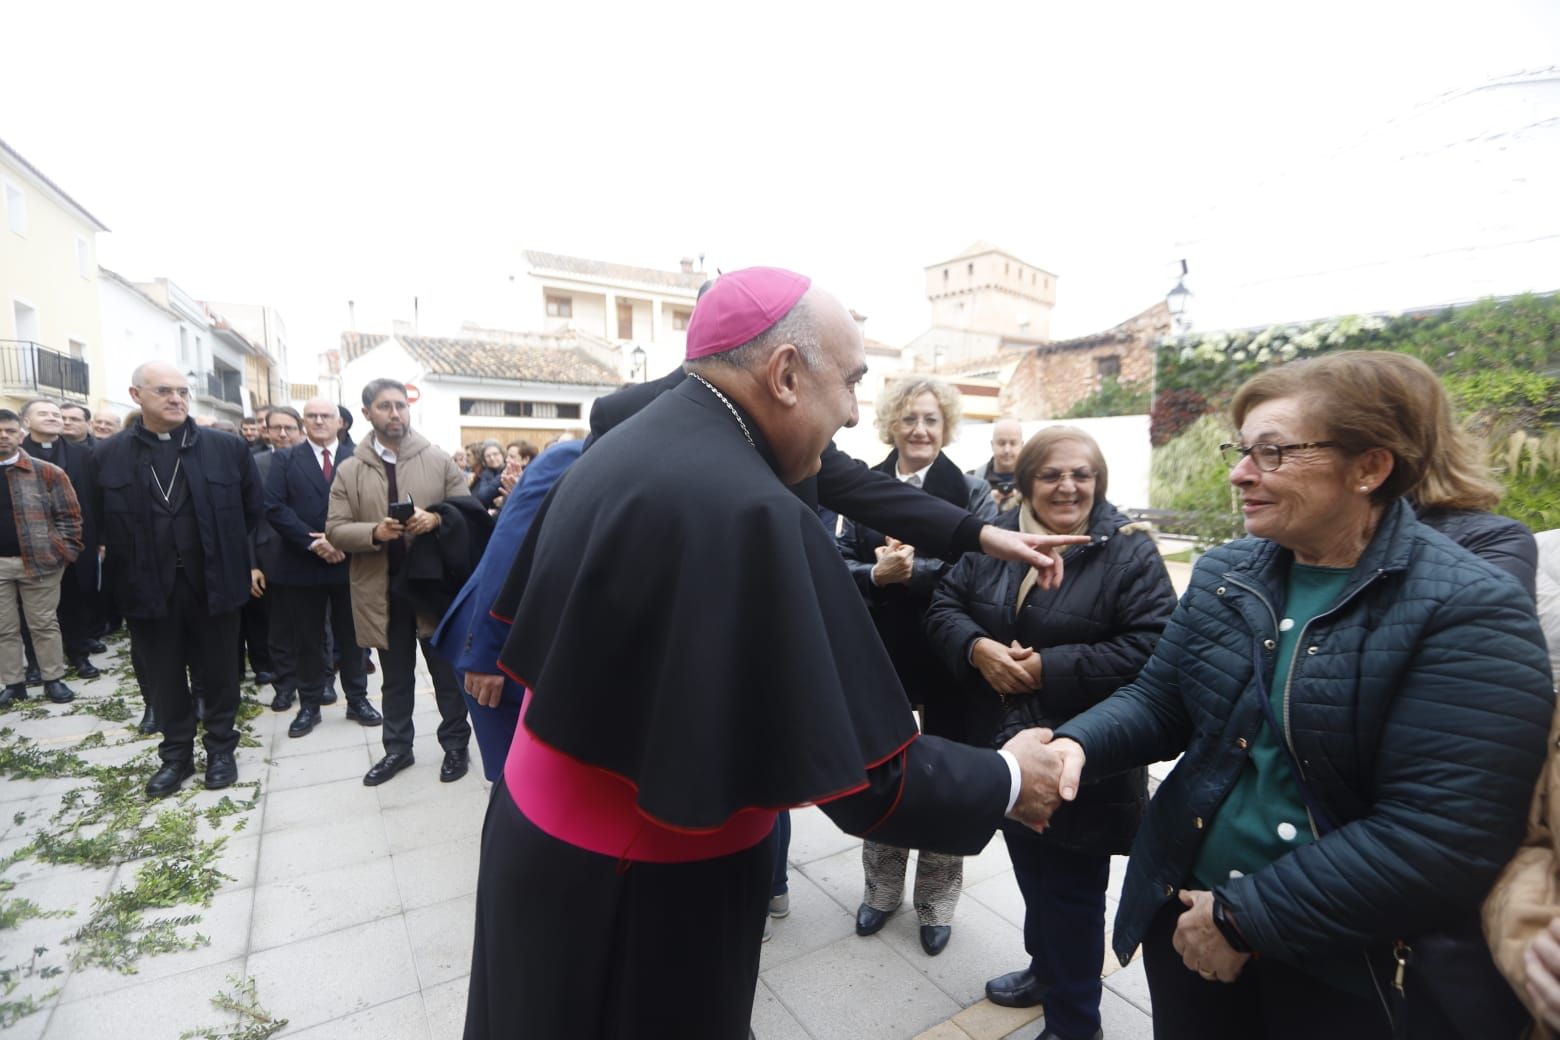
x: 296, y: 499
x: 469, y: 637
x: 1419, y: 707
x: 228, y: 502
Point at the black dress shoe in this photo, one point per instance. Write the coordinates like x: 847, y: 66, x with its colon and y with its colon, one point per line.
x: 264, y: 678
x: 387, y: 767
x: 1017, y: 989
x: 934, y: 938
x: 85, y: 669
x: 95, y: 646
x: 308, y: 717
x: 870, y: 920
x: 58, y: 692
x: 456, y: 763
x: 14, y: 692
x: 282, y: 701
x: 221, y: 770
x: 33, y: 677
x: 148, y: 724
x: 167, y: 779
x: 1051, y: 1034
x: 362, y: 712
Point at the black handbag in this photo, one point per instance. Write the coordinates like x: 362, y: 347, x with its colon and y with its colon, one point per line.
x: 1443, y: 985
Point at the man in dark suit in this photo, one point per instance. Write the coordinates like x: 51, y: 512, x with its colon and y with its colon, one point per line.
x: 311, y: 575
x: 284, y: 428
x: 45, y: 440
x: 176, y: 504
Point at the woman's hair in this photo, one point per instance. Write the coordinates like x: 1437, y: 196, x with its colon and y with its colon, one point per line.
x: 896, y: 398
x: 1031, y: 460
x: 1362, y: 399
x: 482, y: 450
x: 1456, y: 473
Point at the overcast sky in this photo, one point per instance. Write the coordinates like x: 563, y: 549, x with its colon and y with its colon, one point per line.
x: 305, y: 154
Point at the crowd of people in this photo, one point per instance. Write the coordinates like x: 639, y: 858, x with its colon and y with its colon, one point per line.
x: 665, y: 638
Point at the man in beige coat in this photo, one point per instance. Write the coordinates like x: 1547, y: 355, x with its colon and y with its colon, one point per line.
x: 396, y: 465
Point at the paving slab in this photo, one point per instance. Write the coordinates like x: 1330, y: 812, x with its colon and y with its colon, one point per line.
x: 858, y: 989
x: 771, y: 1020
x: 446, y: 1008
x: 322, y: 846
x: 815, y: 921
x: 441, y: 937
x: 157, y: 1010
x: 1131, y: 984
x: 401, y: 1019
x: 330, y: 976
x: 986, y: 945
x: 814, y: 836
x: 321, y: 902
x: 225, y: 924
x: 318, y: 767
x: 322, y: 803
x: 434, y: 873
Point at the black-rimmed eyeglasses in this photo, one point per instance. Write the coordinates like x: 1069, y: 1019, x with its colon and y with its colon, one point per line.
x: 1267, y: 455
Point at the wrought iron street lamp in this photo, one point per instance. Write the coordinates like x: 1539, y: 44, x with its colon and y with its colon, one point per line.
x: 639, y: 362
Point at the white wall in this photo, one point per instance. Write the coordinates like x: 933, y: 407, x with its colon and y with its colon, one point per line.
x: 1123, y: 439
x: 134, y: 331
x: 436, y: 415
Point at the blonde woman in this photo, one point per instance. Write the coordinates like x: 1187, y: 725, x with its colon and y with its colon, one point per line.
x: 916, y: 417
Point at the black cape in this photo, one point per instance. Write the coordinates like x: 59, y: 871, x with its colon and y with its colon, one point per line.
x: 685, y: 622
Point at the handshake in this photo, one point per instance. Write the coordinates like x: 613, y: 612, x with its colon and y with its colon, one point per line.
x: 1050, y: 771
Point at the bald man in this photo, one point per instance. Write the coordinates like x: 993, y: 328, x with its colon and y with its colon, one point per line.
x: 311, y: 575
x: 1007, y: 437
x: 176, y: 504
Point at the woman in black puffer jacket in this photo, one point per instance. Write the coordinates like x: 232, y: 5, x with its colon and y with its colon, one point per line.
x: 1026, y: 656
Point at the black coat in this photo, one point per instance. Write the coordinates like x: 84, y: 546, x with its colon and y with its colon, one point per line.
x: 296, y: 500
x: 842, y: 484
x: 1496, y: 539
x: 1094, y: 634
x: 437, y: 567
x: 898, y: 610
x: 228, y: 501
x: 263, y: 540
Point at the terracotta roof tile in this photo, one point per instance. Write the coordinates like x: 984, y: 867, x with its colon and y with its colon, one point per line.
x: 541, y: 357
x: 609, y: 272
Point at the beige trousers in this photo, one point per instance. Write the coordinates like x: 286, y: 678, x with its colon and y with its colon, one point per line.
x: 40, y: 597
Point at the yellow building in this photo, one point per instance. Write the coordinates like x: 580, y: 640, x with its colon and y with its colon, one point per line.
x: 50, y: 342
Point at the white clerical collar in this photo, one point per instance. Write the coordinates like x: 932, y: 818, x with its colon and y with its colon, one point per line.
x: 919, y: 474
x: 383, y: 452
x: 43, y: 443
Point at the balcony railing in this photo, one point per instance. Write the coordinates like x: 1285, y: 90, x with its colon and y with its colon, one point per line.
x: 28, y: 367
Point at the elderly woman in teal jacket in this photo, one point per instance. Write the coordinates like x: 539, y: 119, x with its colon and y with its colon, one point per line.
x: 1361, y: 707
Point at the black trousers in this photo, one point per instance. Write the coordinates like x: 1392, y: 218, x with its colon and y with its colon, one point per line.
x: 398, y: 689
x: 281, y: 642
x: 1064, y: 925
x: 571, y: 943
x: 315, y: 615
x: 1270, y: 1001
x: 187, y: 634
x: 256, y: 636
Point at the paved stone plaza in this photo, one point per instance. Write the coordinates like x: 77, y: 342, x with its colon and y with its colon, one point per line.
x: 351, y: 908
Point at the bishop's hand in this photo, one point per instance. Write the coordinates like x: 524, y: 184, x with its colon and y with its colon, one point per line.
x: 1050, y: 773
x: 1043, y: 552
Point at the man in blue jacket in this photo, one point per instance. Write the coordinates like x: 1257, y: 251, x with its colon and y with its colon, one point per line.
x: 177, y: 504
x: 311, y: 574
x: 470, y: 638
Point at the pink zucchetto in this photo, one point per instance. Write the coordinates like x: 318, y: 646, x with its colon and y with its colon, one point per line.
x: 741, y: 305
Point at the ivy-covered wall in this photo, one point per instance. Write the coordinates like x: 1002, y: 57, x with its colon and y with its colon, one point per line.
x: 1499, y: 359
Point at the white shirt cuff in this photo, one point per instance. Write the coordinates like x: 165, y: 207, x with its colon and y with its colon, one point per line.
x: 1017, y: 783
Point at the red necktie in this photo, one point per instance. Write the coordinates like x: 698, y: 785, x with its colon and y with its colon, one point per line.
x: 325, y: 464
